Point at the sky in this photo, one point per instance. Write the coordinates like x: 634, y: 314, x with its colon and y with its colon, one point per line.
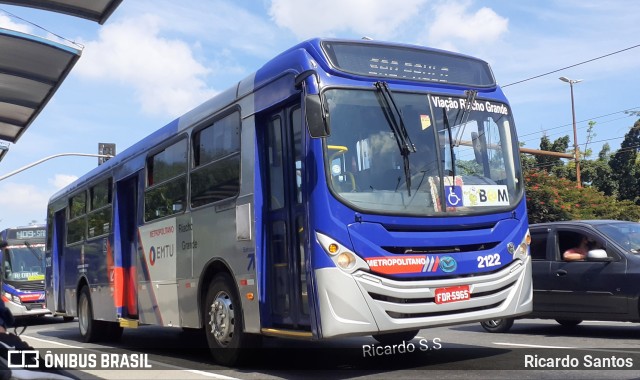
x: 154, y: 60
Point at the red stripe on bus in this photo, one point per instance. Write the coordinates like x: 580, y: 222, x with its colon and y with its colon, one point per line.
x: 118, y: 286
x: 132, y: 299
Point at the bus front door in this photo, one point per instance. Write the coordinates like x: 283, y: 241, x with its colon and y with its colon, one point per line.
x: 58, y: 262
x: 126, y: 236
x: 286, y: 277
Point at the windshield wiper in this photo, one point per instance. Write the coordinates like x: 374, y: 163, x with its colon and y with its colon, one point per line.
x: 445, y: 118
x: 464, y: 117
x: 390, y: 109
x: 33, y: 251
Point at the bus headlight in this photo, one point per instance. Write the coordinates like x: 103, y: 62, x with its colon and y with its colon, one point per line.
x: 11, y: 297
x: 341, y: 256
x: 346, y: 260
x: 523, y: 249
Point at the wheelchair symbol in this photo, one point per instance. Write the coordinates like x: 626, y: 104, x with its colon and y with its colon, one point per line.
x: 453, y: 199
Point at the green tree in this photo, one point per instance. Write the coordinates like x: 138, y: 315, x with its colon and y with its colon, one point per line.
x: 549, y: 163
x: 624, y: 166
x: 527, y: 161
x: 598, y: 172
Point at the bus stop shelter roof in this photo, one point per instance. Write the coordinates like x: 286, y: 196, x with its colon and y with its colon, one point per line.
x: 31, y: 70
x: 94, y: 10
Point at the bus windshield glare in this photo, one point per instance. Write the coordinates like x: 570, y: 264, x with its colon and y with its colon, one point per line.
x: 22, y: 263
x: 463, y: 158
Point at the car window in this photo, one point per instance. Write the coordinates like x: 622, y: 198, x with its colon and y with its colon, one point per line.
x: 538, y: 248
x: 626, y: 235
x: 577, y: 241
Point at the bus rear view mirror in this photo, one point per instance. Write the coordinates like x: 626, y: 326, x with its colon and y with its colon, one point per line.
x: 316, y: 113
x: 317, y: 118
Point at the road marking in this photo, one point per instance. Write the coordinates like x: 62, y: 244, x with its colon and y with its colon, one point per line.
x: 49, y: 341
x: 531, y: 345
x: 209, y: 374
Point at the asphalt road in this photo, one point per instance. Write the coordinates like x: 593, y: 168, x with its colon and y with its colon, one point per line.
x: 533, y: 349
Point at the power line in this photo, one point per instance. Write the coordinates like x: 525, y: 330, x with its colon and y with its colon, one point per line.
x: 561, y: 132
x: 581, y: 121
x: 570, y: 66
x: 42, y: 28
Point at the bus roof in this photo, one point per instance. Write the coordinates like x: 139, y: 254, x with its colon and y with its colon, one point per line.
x: 33, y: 234
x: 323, y: 52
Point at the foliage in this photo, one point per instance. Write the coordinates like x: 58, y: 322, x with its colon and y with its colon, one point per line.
x: 547, y: 163
x: 611, y: 181
x: 551, y: 198
x: 624, y: 166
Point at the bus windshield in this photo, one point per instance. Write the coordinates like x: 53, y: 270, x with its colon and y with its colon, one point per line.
x: 22, y: 263
x: 435, y: 155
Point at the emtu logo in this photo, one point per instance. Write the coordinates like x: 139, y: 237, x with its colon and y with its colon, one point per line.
x: 152, y: 256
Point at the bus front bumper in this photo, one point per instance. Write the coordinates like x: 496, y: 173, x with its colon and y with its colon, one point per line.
x: 27, y: 309
x: 363, y: 303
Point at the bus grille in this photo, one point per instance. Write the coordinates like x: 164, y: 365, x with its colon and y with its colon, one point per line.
x: 415, y: 300
x: 441, y: 249
x: 396, y: 315
x: 26, y: 285
x: 431, y: 300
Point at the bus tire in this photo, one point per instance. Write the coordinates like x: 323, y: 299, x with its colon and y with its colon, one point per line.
x: 223, y: 323
x: 498, y: 325
x: 396, y: 338
x: 90, y: 330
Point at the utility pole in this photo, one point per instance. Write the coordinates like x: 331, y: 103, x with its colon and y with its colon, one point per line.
x: 575, y: 131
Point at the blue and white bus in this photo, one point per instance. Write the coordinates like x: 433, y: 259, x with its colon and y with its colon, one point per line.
x: 22, y: 274
x: 345, y: 188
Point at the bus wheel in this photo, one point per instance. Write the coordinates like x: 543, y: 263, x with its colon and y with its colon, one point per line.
x: 89, y: 329
x: 497, y: 325
x: 396, y: 338
x: 223, y: 321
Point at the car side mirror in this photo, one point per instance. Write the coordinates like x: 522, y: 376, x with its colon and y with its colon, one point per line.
x: 598, y: 255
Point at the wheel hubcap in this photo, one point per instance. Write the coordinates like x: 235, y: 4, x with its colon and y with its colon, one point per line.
x: 83, y: 315
x: 222, y: 319
x: 493, y: 323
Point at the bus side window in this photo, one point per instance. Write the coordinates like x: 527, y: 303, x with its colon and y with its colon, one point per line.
x: 215, y: 174
x: 166, y: 190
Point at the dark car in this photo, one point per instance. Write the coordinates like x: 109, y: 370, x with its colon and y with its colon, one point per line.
x: 604, y: 286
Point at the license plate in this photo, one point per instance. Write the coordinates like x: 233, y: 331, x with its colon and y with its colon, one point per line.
x: 452, y: 294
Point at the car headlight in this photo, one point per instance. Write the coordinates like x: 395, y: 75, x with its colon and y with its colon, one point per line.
x: 341, y: 256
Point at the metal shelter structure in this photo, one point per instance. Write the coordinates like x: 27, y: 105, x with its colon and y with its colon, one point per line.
x: 33, y: 68
x: 94, y: 10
